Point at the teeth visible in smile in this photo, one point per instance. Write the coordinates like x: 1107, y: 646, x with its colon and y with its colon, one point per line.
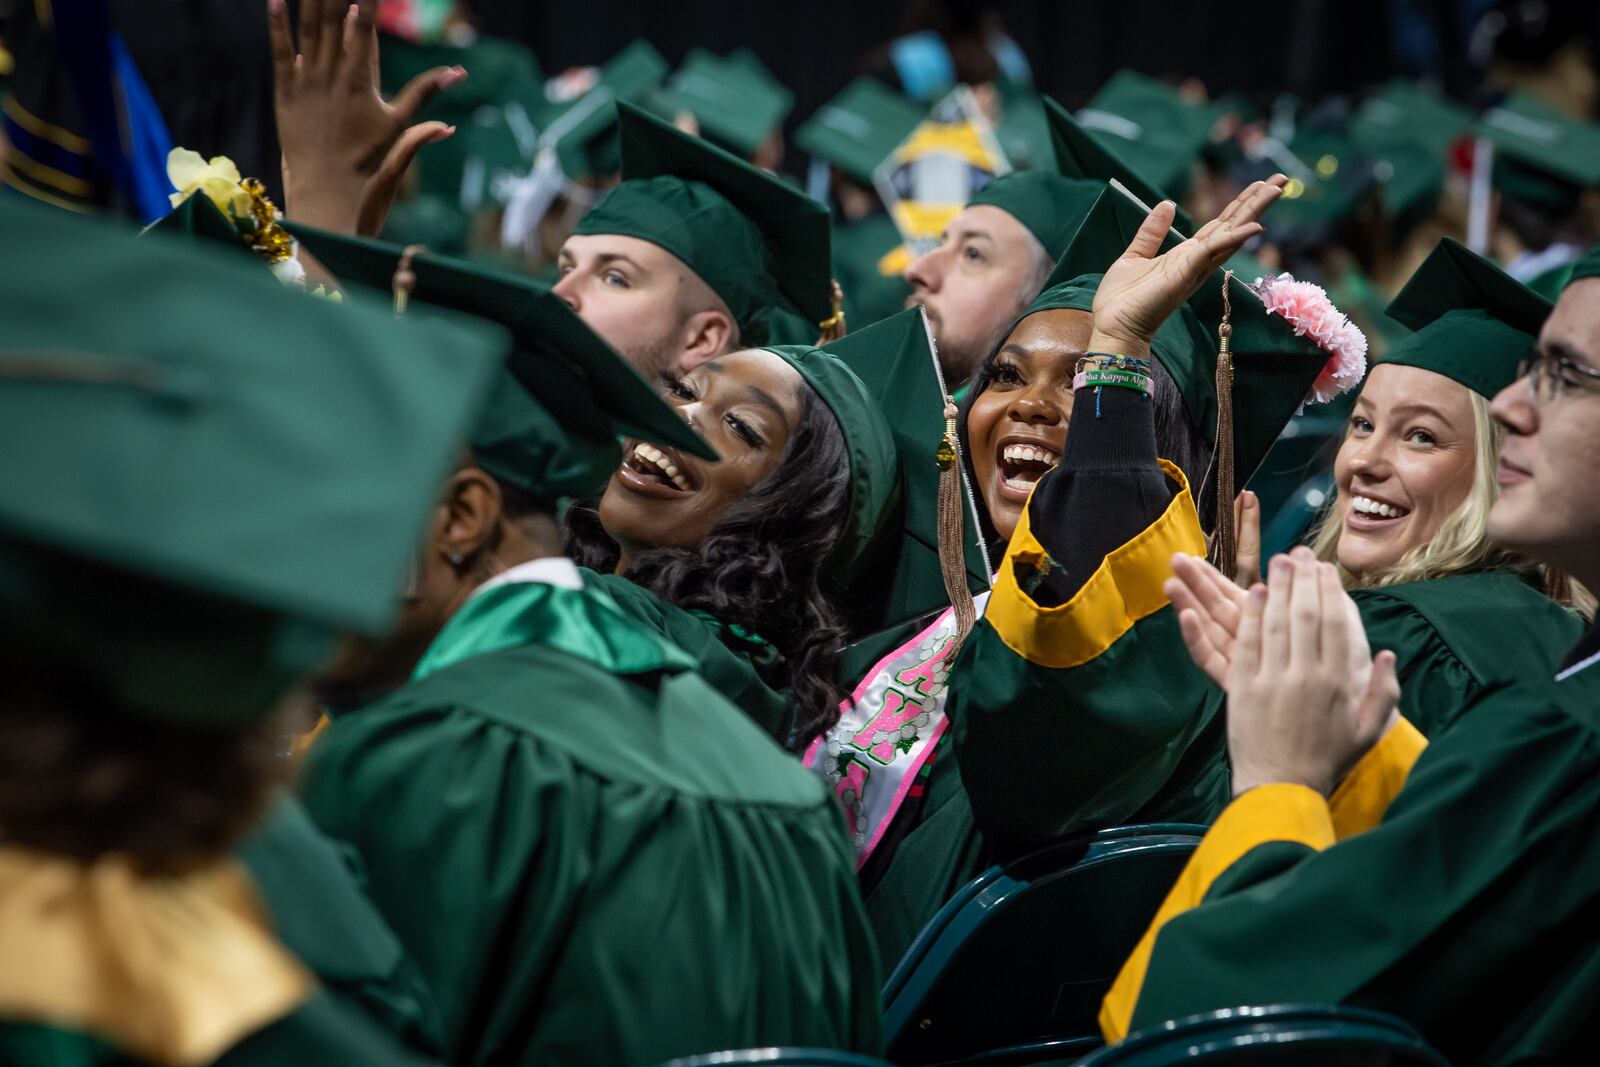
x: 1029, y: 454
x: 657, y: 458
x: 1368, y: 506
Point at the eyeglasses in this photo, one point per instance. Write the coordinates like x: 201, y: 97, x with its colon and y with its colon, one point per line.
x: 1550, y: 374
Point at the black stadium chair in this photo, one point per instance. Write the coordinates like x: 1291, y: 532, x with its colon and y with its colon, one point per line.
x: 1024, y: 953
x: 1323, y: 1034
x: 779, y: 1057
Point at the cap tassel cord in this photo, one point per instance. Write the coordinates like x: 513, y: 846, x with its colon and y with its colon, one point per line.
x: 833, y: 326
x: 1224, y: 549
x: 952, y: 547
x: 404, y: 282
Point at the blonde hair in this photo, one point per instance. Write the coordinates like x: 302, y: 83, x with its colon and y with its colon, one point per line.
x: 1461, y: 545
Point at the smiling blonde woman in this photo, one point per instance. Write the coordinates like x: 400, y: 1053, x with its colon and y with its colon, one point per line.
x: 1416, y: 476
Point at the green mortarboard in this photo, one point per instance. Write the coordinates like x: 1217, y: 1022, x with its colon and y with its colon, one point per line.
x: 735, y: 99
x: 1474, y: 322
x: 1402, y: 112
x: 551, y: 423
x: 197, y: 216
x: 1158, y: 133
x: 1050, y: 206
x: 233, y: 471
x: 1542, y: 156
x: 1274, y: 370
x: 584, y: 129
x: 871, y: 446
x: 1086, y: 155
x: 860, y: 127
x: 1340, y: 177
x: 896, y: 360
x: 756, y: 241
x: 1024, y: 133
x: 1587, y: 266
x: 1408, y: 132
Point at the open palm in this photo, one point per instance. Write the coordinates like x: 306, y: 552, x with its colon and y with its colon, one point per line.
x: 1142, y: 288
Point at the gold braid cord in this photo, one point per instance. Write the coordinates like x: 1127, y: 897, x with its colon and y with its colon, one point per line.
x: 952, y: 546
x: 833, y: 326
x: 404, y: 282
x: 270, y: 241
x: 1224, y: 549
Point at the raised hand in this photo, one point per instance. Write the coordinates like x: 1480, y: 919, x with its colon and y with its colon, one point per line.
x: 1141, y: 289
x: 344, y: 147
x: 1297, y: 711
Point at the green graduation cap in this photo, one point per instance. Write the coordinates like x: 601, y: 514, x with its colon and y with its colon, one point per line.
x: 755, y: 240
x: 234, y: 472
x: 734, y: 98
x: 874, y: 465
x: 1148, y: 124
x: 552, y: 421
x: 1086, y: 155
x: 583, y: 130
x: 1408, y: 132
x: 1024, y: 132
x: 196, y: 216
x: 1050, y: 206
x: 1274, y: 369
x: 1543, y: 157
x: 1474, y: 323
x: 897, y: 362
x: 860, y: 127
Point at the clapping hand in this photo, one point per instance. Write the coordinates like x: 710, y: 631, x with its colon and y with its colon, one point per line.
x: 1306, y: 700
x: 345, y: 148
x: 1141, y: 289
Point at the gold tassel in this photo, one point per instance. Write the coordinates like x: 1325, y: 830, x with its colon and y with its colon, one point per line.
x: 833, y: 326
x: 952, y: 546
x: 1224, y: 549
x: 404, y: 282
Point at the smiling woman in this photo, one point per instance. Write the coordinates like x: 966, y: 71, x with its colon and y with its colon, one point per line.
x: 1415, y: 479
x: 732, y: 558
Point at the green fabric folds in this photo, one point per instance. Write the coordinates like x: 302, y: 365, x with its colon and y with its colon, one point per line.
x: 1457, y: 638
x: 586, y: 625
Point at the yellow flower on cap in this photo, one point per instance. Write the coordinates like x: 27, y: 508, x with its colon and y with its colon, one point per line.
x: 218, y: 179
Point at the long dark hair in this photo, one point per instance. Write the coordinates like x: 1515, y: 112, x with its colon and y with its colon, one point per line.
x: 1178, y: 440
x: 760, y: 570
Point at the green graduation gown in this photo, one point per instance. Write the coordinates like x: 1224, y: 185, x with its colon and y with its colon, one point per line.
x: 1469, y: 910
x: 1455, y: 638
x: 593, y: 858
x: 314, y: 894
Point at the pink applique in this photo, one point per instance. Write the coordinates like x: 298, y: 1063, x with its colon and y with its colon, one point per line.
x: 898, y: 709
x: 1307, y: 308
x: 924, y: 676
x: 854, y: 783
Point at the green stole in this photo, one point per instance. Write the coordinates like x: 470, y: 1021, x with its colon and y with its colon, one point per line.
x: 585, y: 623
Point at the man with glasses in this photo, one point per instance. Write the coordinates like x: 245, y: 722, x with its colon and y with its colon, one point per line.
x: 1459, y: 890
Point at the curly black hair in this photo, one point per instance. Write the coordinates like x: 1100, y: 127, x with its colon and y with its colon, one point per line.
x: 761, y: 568
x: 1178, y: 440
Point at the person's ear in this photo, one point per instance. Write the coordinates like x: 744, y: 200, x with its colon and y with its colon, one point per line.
x: 705, y: 335
x: 472, y: 509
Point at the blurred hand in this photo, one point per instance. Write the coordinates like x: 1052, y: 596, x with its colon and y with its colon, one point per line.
x: 1300, y: 709
x: 345, y: 148
x: 1247, y: 536
x: 1141, y: 289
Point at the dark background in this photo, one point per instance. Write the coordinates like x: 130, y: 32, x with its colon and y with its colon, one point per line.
x: 1306, y: 47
